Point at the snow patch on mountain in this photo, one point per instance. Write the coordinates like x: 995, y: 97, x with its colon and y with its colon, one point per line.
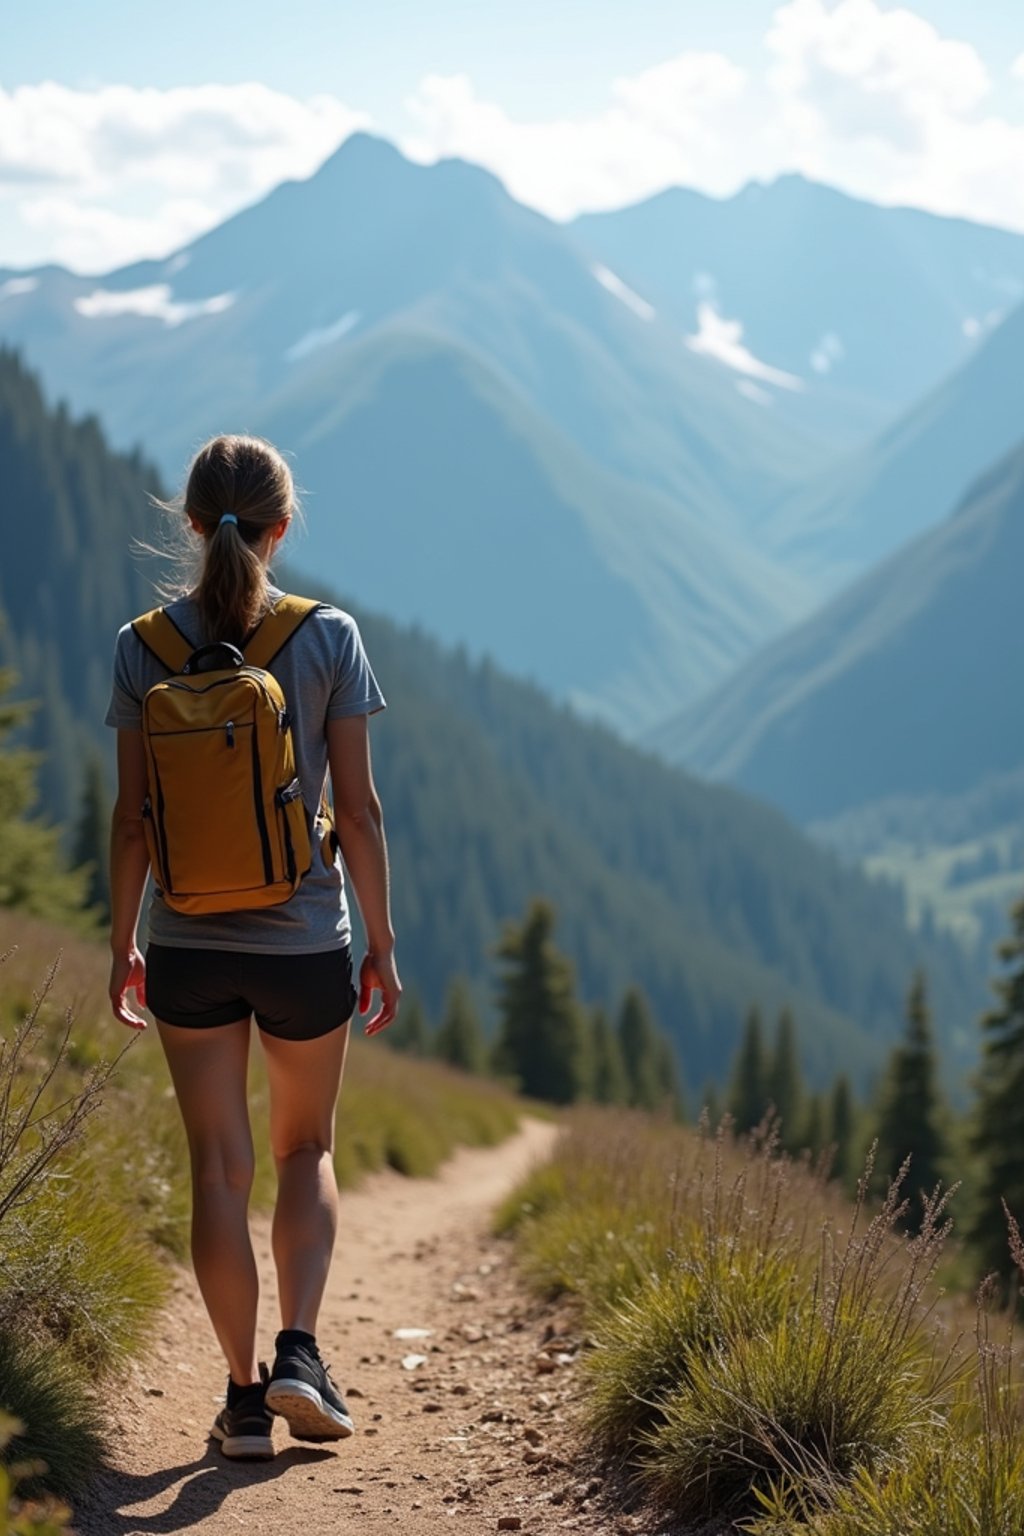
x: 755, y: 392
x: 15, y: 285
x: 614, y: 284
x: 152, y: 303
x: 973, y: 326
x: 828, y: 351
x: 322, y: 336
x: 722, y: 340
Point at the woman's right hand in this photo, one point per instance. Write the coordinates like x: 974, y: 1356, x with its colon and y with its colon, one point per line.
x: 128, y: 974
x: 378, y: 973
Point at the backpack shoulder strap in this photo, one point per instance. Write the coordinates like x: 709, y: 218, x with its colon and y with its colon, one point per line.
x: 276, y: 628
x: 163, y: 639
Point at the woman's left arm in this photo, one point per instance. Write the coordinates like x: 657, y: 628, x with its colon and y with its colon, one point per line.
x: 129, y: 866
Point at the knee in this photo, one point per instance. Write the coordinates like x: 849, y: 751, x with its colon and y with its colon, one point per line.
x: 286, y: 1146
x: 216, y: 1170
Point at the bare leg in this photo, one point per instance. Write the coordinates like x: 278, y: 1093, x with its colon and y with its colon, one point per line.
x: 209, y: 1069
x: 304, y: 1078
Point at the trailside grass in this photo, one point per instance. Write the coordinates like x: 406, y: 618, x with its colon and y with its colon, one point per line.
x: 763, y: 1351
x: 91, y: 1209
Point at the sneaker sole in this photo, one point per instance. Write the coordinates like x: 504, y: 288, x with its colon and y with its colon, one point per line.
x: 244, y: 1447
x: 307, y: 1415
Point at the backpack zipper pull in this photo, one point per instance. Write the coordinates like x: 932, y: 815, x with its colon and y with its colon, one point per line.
x: 230, y: 729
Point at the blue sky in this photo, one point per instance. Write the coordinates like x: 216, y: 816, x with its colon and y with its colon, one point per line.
x: 160, y: 121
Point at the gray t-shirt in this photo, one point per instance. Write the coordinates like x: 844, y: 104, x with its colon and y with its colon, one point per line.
x: 325, y: 675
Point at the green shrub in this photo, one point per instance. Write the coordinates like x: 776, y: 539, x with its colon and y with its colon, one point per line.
x: 796, y: 1406
x: 646, y: 1345
x: 62, y: 1435
x: 77, y: 1272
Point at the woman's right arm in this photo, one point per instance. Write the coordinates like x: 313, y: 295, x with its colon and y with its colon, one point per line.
x: 359, y: 823
x: 129, y: 866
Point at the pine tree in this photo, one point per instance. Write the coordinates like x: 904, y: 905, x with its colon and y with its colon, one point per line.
x: 812, y: 1135
x: 998, y: 1122
x: 748, y: 1093
x: 785, y: 1088
x: 540, y: 1034
x: 91, y: 845
x: 33, y: 875
x: 909, y: 1115
x: 638, y: 1042
x: 459, y: 1039
x: 711, y: 1105
x: 670, y: 1077
x: 841, y: 1128
x: 410, y: 1033
x: 610, y: 1085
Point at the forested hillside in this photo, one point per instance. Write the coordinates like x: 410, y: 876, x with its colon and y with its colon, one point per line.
x: 67, y: 574
x: 493, y: 794
x: 901, y: 686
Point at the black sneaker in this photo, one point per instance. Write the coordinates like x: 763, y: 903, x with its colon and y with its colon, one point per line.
x: 244, y: 1425
x: 302, y: 1392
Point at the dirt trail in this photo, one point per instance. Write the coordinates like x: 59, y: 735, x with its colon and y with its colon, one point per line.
x: 472, y: 1433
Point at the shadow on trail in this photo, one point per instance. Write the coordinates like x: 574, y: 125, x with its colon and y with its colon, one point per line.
x: 205, y: 1484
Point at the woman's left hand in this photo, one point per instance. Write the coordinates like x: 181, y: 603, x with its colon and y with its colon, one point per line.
x: 128, y: 974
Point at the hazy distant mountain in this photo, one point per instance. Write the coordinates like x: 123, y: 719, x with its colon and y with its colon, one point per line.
x: 907, y: 684
x: 271, y: 319
x: 860, y: 309
x: 442, y: 495
x: 913, y: 475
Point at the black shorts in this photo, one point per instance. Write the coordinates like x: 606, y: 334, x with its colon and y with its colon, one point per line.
x: 295, y: 997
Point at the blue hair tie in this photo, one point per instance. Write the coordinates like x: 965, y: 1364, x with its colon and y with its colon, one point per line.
x: 228, y: 517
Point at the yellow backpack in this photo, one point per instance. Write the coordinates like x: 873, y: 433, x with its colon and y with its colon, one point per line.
x: 225, y: 823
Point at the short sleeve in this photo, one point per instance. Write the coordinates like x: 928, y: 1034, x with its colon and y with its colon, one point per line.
x: 355, y: 690
x: 125, y: 709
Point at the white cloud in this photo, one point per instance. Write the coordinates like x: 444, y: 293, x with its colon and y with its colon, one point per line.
x: 665, y: 125
x: 862, y: 94
x: 94, y: 178
x: 875, y: 101
x: 152, y: 303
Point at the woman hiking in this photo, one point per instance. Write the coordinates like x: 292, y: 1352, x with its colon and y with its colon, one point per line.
x: 249, y: 917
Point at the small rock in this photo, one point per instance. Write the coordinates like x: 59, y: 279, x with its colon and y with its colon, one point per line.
x: 354, y: 1392
x: 350, y: 1488
x: 493, y: 1416
x: 154, y: 1391
x: 471, y: 1333
x: 410, y: 1362
x: 460, y: 1389
x: 378, y: 1417
x: 543, y: 1364
x: 412, y: 1333
x: 542, y: 1401
x: 510, y: 1523
x: 531, y: 1456
x: 433, y: 1407
x: 421, y: 1477
x: 371, y: 1431
x: 533, y: 1434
